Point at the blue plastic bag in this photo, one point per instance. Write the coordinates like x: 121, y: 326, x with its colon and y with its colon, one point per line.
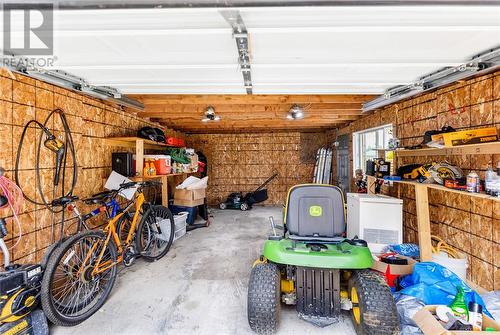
x: 406, y: 249
x: 436, y: 285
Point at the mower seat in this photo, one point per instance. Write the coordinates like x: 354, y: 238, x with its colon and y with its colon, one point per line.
x: 315, y: 212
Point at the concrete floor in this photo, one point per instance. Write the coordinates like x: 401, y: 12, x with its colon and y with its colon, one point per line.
x: 199, y: 287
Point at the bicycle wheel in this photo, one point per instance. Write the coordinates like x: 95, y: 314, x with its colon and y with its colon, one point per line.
x: 123, y: 226
x: 70, y: 292
x: 155, y: 233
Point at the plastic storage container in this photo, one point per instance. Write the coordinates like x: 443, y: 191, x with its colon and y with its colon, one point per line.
x: 162, y: 163
x: 180, y: 224
x: 193, y: 212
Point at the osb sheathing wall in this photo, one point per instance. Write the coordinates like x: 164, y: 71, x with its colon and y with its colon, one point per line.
x: 90, y: 120
x: 241, y: 162
x: 469, y: 224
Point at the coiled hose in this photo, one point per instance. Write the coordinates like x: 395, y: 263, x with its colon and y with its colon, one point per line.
x: 15, y: 200
x: 442, y: 246
x: 68, y: 147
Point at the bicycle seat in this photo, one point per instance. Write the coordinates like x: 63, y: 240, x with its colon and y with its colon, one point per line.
x: 99, y: 198
x: 63, y: 201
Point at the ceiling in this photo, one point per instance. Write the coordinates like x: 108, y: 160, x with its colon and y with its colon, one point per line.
x: 251, y: 112
x: 294, y: 50
x: 327, y: 59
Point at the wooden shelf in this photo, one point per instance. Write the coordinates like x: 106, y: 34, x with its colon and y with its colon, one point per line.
x: 422, y: 209
x: 160, y: 176
x: 442, y: 188
x: 132, y: 142
x: 139, y: 144
x: 470, y: 149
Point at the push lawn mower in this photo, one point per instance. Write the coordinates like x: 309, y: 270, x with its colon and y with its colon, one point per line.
x: 315, y: 268
x: 238, y: 201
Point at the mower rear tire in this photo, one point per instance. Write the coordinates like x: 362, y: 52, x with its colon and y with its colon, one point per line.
x: 374, y: 310
x: 264, y: 298
x: 222, y: 205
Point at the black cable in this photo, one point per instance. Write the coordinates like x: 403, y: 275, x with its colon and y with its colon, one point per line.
x: 69, y: 145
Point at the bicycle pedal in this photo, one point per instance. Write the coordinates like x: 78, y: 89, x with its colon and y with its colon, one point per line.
x: 129, y: 256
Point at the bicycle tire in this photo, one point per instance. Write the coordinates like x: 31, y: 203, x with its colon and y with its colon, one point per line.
x: 58, y: 312
x: 123, y: 226
x: 148, y: 237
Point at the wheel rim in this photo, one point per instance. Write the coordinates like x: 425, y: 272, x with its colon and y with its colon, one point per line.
x: 74, y: 289
x: 124, y: 228
x: 356, y: 313
x: 153, y: 243
x: 244, y: 207
x: 222, y: 206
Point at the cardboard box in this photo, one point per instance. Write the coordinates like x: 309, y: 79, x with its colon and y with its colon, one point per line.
x: 429, y: 325
x: 470, y: 136
x: 397, y: 270
x: 190, y: 194
x: 188, y: 203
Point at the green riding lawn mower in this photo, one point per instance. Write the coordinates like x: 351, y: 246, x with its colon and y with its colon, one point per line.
x: 314, y: 267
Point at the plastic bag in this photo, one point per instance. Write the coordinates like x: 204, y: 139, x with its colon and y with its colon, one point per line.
x: 492, y: 302
x: 407, y: 307
x: 405, y: 249
x: 436, y: 285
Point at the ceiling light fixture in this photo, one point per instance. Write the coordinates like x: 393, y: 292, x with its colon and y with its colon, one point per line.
x: 210, y: 115
x: 295, y: 113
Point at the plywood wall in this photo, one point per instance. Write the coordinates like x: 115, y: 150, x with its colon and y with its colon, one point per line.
x: 90, y: 120
x: 469, y: 224
x: 241, y: 162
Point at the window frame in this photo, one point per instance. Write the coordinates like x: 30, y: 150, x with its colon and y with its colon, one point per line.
x: 358, y: 143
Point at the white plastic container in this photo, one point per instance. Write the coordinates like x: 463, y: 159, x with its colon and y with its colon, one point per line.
x: 456, y: 265
x: 180, y: 221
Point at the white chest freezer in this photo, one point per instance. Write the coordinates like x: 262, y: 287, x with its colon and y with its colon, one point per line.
x: 377, y: 219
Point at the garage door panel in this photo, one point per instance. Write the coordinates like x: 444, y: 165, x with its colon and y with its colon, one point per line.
x: 370, y: 46
x: 145, y: 49
x: 344, y: 73
x: 371, y: 16
x: 154, y: 76
x: 138, y: 19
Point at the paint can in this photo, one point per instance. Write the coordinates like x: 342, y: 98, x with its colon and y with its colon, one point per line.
x: 473, y: 183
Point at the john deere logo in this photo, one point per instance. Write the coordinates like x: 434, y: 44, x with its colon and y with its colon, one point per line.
x: 315, y: 211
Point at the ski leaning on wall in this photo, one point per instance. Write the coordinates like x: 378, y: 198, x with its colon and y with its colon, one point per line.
x: 323, y: 167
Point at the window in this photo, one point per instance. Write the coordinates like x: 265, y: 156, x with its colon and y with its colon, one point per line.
x: 366, y: 144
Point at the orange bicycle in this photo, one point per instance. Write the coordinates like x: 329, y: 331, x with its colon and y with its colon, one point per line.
x: 80, y: 274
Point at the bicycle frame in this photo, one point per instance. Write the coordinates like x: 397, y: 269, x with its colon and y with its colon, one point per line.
x: 110, y: 231
x: 111, y: 208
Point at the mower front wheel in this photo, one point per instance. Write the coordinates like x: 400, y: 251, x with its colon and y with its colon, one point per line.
x: 222, y: 205
x: 244, y: 206
x: 374, y: 310
x: 264, y: 298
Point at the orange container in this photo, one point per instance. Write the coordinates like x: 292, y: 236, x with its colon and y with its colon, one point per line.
x: 162, y: 167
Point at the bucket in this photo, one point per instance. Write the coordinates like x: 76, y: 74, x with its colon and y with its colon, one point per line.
x: 456, y: 265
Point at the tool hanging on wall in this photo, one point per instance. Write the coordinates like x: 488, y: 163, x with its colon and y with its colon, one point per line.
x: 62, y: 148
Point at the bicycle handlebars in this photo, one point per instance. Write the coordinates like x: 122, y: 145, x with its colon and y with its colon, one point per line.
x: 139, y: 183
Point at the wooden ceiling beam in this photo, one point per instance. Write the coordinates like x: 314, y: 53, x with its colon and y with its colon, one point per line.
x: 269, y: 112
x: 257, y: 130
x: 252, y: 118
x: 210, y: 99
x: 257, y: 107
